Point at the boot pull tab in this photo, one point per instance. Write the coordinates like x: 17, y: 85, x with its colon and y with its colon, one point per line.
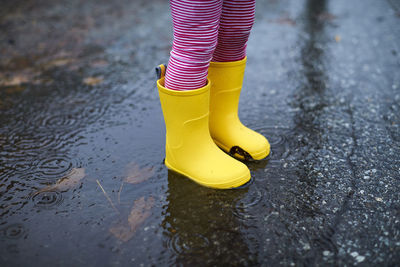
x: 160, y: 71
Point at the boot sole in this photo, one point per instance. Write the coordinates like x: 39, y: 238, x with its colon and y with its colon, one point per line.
x: 228, y: 185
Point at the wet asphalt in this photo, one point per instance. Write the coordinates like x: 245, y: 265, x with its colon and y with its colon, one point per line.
x: 77, y: 92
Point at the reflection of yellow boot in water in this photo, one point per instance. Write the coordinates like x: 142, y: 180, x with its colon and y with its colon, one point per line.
x: 225, y: 127
x: 190, y: 149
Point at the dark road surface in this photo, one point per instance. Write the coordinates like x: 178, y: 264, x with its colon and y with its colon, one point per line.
x: 78, y: 101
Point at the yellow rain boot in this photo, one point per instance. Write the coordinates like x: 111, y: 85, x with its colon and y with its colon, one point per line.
x: 225, y: 127
x: 190, y: 149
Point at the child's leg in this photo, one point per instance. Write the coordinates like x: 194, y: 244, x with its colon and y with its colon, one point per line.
x: 196, y: 24
x: 226, y: 74
x: 236, y: 21
x: 189, y: 148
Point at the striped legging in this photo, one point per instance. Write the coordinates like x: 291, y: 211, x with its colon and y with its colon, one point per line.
x: 206, y: 30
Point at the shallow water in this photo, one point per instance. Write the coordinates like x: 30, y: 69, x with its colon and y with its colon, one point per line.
x: 77, y: 93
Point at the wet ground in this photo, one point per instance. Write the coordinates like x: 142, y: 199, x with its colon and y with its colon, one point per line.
x: 82, y: 139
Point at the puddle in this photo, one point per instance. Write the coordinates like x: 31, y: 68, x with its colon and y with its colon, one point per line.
x: 82, y: 141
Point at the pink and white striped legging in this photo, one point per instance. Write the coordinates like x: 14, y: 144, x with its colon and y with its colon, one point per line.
x: 206, y: 30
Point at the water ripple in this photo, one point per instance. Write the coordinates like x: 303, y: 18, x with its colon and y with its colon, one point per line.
x: 188, y: 243
x: 54, y: 167
x: 19, y: 145
x: 278, y: 139
x: 14, y: 231
x: 59, y: 121
x: 27, y: 143
x: 47, y: 199
x: 244, y: 204
x: 274, y: 138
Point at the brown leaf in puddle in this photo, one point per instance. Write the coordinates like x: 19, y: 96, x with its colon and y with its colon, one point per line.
x: 338, y: 38
x: 58, y: 62
x: 71, y: 180
x: 135, y: 174
x: 141, y: 210
x: 40, y: 81
x: 122, y: 232
x: 16, y: 80
x: 93, y: 80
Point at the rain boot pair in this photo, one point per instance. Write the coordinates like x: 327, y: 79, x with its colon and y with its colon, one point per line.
x: 199, y: 121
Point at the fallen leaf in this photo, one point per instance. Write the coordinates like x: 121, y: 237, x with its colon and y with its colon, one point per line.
x: 93, y: 80
x: 141, y: 210
x: 135, y: 174
x: 338, y: 38
x: 71, y: 180
x: 40, y: 81
x: 58, y: 62
x: 15, y: 80
x: 122, y: 232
